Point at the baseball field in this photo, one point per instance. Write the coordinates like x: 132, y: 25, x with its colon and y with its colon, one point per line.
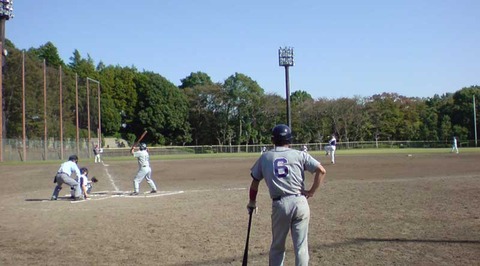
x: 374, y: 209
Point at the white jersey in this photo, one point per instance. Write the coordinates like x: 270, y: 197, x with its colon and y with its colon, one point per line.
x: 143, y: 158
x: 282, y: 169
x: 68, y: 167
x: 82, y: 180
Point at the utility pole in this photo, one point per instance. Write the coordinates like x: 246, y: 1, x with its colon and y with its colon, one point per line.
x: 6, y: 12
x: 99, y: 128
x: 475, y: 120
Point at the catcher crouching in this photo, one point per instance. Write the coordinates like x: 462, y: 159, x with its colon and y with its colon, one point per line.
x: 85, y: 184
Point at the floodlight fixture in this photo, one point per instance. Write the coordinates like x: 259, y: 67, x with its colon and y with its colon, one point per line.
x: 6, y: 9
x: 285, y: 56
x: 285, y: 59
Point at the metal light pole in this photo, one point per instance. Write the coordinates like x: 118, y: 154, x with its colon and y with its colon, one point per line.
x: 6, y: 12
x: 285, y: 59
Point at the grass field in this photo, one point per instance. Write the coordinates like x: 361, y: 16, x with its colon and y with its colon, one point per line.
x: 378, y: 207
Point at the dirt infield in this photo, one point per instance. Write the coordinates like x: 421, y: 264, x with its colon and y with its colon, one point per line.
x: 373, y: 210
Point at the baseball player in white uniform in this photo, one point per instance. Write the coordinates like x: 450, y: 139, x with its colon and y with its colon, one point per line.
x: 64, y: 175
x: 97, y: 151
x: 454, y: 145
x: 331, y: 148
x: 284, y: 169
x: 144, y: 170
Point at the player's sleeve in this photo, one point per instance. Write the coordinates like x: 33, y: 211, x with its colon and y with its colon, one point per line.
x: 256, y: 171
x: 310, y: 163
x: 77, y: 171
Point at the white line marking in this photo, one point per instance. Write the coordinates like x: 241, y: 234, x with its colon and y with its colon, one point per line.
x: 210, y: 190
x: 103, y: 195
x: 111, y: 179
x: 158, y: 194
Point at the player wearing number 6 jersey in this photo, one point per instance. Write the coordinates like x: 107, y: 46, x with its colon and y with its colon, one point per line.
x: 284, y: 169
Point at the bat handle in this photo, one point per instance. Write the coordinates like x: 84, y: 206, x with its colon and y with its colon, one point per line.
x: 245, y: 253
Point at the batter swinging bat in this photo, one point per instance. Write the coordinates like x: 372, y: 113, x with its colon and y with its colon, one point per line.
x: 139, y: 139
x: 245, y: 253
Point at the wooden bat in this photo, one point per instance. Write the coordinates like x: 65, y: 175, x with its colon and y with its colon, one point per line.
x: 139, y: 139
x: 245, y: 253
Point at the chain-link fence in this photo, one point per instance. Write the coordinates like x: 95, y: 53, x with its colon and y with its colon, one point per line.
x: 37, y: 150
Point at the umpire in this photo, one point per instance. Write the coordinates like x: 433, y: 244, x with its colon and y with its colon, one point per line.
x: 64, y: 175
x: 284, y: 169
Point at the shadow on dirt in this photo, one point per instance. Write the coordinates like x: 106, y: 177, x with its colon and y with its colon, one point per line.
x: 48, y: 199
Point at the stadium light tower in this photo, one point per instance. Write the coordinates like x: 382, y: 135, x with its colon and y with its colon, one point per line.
x: 6, y: 12
x: 285, y: 59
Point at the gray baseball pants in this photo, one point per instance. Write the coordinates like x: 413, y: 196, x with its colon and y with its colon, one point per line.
x: 64, y: 178
x: 143, y: 172
x: 290, y: 213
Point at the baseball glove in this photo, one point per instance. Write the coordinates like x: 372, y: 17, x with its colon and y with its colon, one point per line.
x: 94, y: 179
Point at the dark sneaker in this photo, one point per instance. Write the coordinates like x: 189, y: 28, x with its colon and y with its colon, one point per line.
x: 153, y: 191
x: 134, y: 194
x: 53, y: 198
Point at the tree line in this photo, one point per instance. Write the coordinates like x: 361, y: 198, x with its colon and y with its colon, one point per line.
x: 236, y: 111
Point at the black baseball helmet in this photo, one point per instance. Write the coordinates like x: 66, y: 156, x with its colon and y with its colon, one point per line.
x: 281, y: 135
x: 142, y: 146
x: 73, y: 158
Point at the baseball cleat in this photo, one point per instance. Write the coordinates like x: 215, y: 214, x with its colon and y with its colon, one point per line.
x: 153, y: 191
x: 134, y: 194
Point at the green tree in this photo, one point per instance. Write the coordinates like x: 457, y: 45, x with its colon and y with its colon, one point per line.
x: 204, y: 110
x: 428, y: 127
x: 49, y: 52
x: 273, y: 112
x: 243, y: 98
x: 462, y: 111
x: 301, y: 110
x: 196, y: 79
x: 161, y: 109
x: 446, y: 128
x: 118, y: 86
x: 385, y: 114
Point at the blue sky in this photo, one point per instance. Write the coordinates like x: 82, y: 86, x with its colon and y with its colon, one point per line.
x: 342, y: 48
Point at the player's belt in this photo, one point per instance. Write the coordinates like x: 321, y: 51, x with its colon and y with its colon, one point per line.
x: 62, y: 173
x: 281, y: 197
